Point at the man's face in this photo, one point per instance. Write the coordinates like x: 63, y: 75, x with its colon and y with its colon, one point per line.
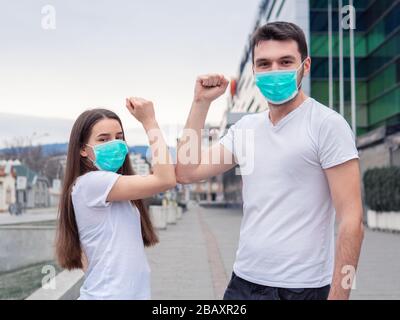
x: 272, y: 55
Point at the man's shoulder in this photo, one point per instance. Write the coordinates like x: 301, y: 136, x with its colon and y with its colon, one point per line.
x: 321, y: 113
x: 250, y: 120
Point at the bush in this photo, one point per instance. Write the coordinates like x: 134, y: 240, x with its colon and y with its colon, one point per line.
x: 382, y: 189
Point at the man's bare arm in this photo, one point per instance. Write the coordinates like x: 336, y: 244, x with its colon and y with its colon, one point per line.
x: 344, y: 182
x: 193, y: 162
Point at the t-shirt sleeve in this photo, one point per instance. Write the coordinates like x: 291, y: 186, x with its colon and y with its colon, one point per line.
x: 95, y: 187
x: 235, y: 135
x: 336, y: 143
x: 228, y: 139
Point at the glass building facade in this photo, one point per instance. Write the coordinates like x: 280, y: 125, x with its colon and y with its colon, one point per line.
x: 377, y: 60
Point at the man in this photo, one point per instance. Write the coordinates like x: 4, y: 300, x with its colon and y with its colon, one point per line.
x: 304, y: 171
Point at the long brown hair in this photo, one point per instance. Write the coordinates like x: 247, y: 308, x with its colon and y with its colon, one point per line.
x: 68, y: 246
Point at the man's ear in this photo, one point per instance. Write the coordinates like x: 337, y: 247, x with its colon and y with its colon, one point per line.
x: 307, y: 66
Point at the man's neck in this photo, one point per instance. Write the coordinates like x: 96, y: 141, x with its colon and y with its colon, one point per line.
x: 278, y: 112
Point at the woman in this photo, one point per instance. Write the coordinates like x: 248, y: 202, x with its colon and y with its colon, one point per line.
x: 102, y: 218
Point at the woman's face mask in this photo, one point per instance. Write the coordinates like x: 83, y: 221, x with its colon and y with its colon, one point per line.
x: 280, y: 86
x: 110, y: 156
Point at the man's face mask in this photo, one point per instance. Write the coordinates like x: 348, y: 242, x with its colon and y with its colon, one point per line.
x: 280, y: 86
x: 110, y: 156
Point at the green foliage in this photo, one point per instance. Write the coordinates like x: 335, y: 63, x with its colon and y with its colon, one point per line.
x: 382, y: 189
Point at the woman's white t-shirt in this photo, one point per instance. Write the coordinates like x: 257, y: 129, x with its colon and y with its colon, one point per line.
x: 111, y: 237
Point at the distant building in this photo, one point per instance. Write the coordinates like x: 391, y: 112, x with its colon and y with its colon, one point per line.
x: 139, y: 164
x: 32, y: 189
x: 58, y: 165
x: 7, y: 185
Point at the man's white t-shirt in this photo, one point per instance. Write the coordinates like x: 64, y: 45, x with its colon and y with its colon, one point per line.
x: 111, y: 237
x: 287, y: 230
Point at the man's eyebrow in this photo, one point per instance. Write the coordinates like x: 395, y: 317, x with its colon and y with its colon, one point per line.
x: 288, y: 57
x: 280, y: 58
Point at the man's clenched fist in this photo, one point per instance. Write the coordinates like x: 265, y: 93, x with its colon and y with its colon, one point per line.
x: 210, y: 87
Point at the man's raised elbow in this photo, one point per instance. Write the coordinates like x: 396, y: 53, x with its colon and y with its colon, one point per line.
x: 182, y: 179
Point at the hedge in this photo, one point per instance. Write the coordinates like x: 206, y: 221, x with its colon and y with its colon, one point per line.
x: 382, y: 189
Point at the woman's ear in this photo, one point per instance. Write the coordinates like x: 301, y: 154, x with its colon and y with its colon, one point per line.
x: 84, y: 152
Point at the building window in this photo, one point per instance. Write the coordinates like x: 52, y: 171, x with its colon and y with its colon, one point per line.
x: 250, y: 105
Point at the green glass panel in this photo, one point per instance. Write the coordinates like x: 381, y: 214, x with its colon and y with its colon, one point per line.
x: 382, y: 82
x: 320, y: 45
x: 385, y: 107
x: 320, y: 91
x: 362, y: 116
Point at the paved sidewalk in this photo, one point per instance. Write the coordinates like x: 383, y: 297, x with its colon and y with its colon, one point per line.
x: 31, y: 215
x: 195, y: 257
x: 378, y: 275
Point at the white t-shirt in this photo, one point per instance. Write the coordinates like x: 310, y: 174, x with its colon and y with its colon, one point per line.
x: 287, y: 230
x: 111, y: 237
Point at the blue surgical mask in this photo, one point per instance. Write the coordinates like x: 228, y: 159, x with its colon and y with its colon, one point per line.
x: 110, y: 156
x: 280, y: 86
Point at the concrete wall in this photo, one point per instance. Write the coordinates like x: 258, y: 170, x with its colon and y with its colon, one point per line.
x: 22, y: 245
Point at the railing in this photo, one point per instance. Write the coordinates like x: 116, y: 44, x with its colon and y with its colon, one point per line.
x: 67, y: 287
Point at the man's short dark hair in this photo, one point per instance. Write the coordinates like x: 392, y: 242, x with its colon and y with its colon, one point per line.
x: 281, y: 31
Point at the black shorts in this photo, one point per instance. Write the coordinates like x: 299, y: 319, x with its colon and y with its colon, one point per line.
x: 240, y: 289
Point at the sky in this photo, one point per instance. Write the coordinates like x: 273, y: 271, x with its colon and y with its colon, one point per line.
x: 102, y: 51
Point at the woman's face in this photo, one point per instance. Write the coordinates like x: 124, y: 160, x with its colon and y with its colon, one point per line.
x: 103, y: 131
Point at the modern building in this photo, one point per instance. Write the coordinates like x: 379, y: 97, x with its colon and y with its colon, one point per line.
x: 355, y: 68
x: 377, y: 73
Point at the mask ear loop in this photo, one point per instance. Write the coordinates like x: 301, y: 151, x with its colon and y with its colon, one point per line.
x: 297, y: 74
x: 92, y: 161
